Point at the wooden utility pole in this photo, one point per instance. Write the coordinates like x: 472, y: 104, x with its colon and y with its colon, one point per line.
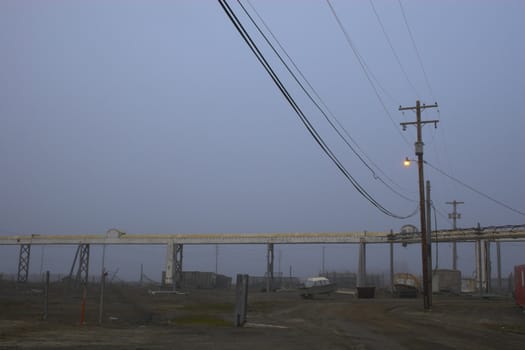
x: 454, y: 216
x: 425, y: 249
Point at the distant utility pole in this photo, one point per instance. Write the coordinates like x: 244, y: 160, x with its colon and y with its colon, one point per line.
x: 454, y: 216
x: 425, y: 248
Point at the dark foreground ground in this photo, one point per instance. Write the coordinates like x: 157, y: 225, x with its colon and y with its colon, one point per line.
x: 135, y: 319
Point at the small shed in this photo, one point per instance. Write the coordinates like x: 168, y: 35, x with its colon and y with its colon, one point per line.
x: 446, y: 281
x: 519, y: 285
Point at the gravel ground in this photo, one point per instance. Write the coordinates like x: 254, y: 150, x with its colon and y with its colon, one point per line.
x: 202, y: 319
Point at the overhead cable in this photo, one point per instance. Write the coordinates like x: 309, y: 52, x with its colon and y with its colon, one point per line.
x: 365, y: 70
x: 475, y: 190
x: 260, y: 57
x: 439, y: 212
x: 398, y: 60
x: 321, y: 101
x: 417, y: 51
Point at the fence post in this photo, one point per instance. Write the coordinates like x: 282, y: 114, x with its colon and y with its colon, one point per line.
x: 241, y: 302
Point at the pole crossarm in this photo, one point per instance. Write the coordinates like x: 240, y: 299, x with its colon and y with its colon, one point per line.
x: 433, y: 121
x: 413, y: 108
x: 508, y: 232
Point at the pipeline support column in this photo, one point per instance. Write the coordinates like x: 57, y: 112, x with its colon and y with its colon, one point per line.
x: 173, y: 274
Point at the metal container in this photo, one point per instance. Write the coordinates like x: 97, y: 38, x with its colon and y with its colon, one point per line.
x: 446, y: 281
x: 519, y: 285
x: 366, y: 292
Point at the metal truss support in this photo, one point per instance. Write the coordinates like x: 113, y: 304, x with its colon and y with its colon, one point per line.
x: 269, y: 268
x: 174, y: 257
x: 73, y: 264
x: 83, y: 264
x: 23, y: 263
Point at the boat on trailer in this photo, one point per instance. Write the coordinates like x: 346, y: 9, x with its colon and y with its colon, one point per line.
x: 406, y: 285
x: 316, y: 286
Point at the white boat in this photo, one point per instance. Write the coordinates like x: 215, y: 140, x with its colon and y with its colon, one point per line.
x: 316, y: 286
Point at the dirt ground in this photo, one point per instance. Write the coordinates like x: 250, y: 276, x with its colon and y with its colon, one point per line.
x: 202, y: 319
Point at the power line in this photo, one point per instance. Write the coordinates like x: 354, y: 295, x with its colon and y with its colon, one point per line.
x: 364, y: 68
x: 317, y: 95
x: 440, y: 213
x: 416, y: 50
x: 447, y: 163
x: 393, y: 50
x: 313, y: 132
x: 299, y: 112
x: 426, y: 77
x: 321, y: 101
x: 475, y: 190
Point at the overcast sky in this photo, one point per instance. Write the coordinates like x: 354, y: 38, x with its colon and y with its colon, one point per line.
x: 155, y: 117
